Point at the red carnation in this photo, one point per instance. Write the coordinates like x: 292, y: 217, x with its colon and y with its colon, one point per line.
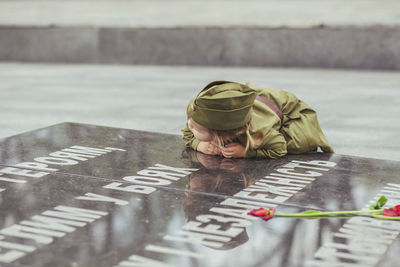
x: 392, y: 212
x: 269, y: 215
x: 266, y: 214
x: 258, y: 212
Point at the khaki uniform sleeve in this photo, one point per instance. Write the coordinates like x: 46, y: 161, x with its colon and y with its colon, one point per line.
x: 287, y: 102
x: 273, y: 146
x: 188, y: 137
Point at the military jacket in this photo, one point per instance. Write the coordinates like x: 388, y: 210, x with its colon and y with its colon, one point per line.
x: 298, y: 132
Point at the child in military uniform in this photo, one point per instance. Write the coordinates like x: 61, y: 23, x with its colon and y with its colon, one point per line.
x: 235, y: 120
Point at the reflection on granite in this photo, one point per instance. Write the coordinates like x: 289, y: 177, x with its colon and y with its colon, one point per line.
x: 147, y: 201
x: 117, y: 226
x: 127, y: 156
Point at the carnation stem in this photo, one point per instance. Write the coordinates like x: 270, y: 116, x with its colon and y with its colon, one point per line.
x: 321, y: 213
x: 385, y: 217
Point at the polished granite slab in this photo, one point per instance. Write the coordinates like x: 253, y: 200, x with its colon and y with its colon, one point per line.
x: 67, y: 220
x: 150, y: 202
x: 153, y: 160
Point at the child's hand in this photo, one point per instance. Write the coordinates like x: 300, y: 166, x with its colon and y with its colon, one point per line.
x: 234, y: 150
x: 209, y: 148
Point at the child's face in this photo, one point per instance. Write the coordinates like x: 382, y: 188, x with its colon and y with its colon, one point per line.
x: 201, y: 133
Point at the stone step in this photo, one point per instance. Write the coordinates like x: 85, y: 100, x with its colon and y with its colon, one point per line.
x: 292, y: 33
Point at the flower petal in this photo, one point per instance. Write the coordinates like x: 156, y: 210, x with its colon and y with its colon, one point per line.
x: 261, y: 212
x: 269, y: 214
x: 266, y: 218
x: 392, y: 212
x: 397, y: 209
x: 258, y: 212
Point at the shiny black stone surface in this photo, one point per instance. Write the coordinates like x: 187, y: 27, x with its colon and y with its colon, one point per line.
x: 119, y: 225
x: 345, y: 183
x: 143, y: 193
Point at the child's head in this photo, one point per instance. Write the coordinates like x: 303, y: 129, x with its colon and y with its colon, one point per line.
x: 200, y: 132
x: 223, y: 105
x: 221, y: 112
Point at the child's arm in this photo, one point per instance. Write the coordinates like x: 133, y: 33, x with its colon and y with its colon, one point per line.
x: 189, y: 138
x: 205, y: 147
x: 273, y: 146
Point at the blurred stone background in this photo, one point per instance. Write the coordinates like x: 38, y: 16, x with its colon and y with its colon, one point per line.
x: 136, y: 64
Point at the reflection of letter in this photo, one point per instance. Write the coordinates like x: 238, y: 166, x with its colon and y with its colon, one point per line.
x: 35, y: 165
x: 359, y: 247
x: 244, y: 204
x: 174, y: 251
x: 11, y: 180
x: 11, y: 256
x: 297, y: 164
x: 383, y: 224
x: 265, y: 197
x: 335, y: 263
x: 68, y: 155
x: 236, y: 222
x: 286, y: 191
x: 199, y: 238
x: 53, y: 223
x: 324, y: 163
x: 307, y: 173
x: 139, y: 261
x: 76, y: 214
x: 89, y: 150
x: 96, y: 197
x: 169, y: 168
x: 284, y: 181
x: 374, y: 233
x: 396, y: 186
x: 84, y: 151
x: 31, y: 233
x: 56, y: 161
x: 27, y: 173
x: 161, y: 174
x: 241, y: 213
x: 293, y: 177
x: 392, y: 192
x: 211, y: 229
x: 9, y: 245
x: 114, y: 148
x: 146, y: 180
x: 327, y: 253
x: 141, y: 189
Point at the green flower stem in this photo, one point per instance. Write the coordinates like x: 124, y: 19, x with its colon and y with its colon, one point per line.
x: 321, y: 213
x: 385, y: 217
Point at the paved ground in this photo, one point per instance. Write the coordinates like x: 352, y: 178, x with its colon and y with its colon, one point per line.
x: 358, y: 110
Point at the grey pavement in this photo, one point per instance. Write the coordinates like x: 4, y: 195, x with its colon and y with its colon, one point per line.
x: 358, y: 110
x: 158, y: 13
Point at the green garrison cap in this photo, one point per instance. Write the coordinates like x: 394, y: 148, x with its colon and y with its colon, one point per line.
x: 223, y: 105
